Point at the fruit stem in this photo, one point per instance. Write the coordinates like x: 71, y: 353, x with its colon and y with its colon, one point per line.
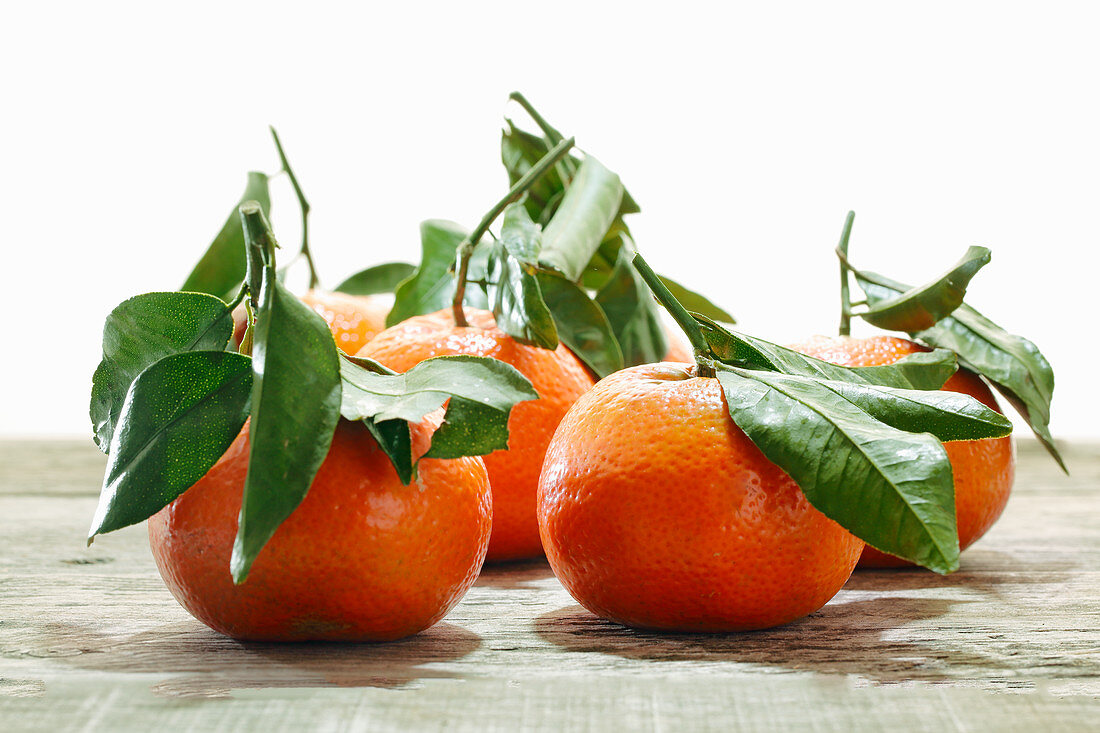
x: 549, y: 130
x: 260, y: 247
x: 704, y: 365
x: 845, y: 297
x: 314, y: 281
x: 466, y: 248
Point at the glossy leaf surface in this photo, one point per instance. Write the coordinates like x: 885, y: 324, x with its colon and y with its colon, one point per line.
x: 1011, y: 363
x: 382, y: 278
x: 295, y: 406
x: 482, y: 392
x: 141, y: 331
x: 514, y: 292
x: 891, y: 488
x: 222, y: 267
x: 581, y: 323
x: 919, y: 308
x: 925, y: 370
x: 590, y: 205
x: 179, y: 417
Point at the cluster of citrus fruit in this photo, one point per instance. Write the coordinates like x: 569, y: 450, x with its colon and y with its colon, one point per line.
x: 339, y: 465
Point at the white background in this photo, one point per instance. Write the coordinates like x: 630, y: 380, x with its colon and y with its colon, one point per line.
x: 746, y: 132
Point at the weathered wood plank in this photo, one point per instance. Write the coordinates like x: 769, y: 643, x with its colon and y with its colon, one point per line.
x: 91, y: 640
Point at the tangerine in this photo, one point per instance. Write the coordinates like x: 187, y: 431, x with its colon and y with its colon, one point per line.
x: 557, y: 375
x: 362, y: 558
x: 657, y: 511
x: 353, y: 319
x: 984, y: 469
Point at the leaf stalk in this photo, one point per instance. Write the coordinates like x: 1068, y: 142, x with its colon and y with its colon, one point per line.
x: 704, y: 358
x: 305, y: 252
x: 466, y: 247
x: 845, y: 296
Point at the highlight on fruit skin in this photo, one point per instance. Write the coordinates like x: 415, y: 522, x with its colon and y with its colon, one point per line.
x: 353, y: 319
x: 557, y: 375
x: 984, y: 470
x: 657, y: 512
x: 362, y: 558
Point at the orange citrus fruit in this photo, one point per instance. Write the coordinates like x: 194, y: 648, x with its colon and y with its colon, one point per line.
x: 353, y: 319
x: 557, y: 375
x: 362, y: 558
x: 984, y: 469
x: 658, y: 512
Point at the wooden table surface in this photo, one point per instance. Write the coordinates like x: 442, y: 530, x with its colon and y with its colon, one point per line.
x: 90, y: 639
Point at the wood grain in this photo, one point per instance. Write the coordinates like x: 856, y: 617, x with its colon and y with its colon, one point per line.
x: 91, y: 640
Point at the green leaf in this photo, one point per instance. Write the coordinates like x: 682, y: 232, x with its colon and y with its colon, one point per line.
x: 947, y: 415
x: 222, y: 267
x: 633, y: 314
x: 378, y: 279
x: 431, y: 287
x: 295, y: 408
x: 482, y: 392
x: 919, y: 308
x: 143, y: 330
x: 695, y: 302
x: 519, y: 150
x: 1011, y: 363
x: 179, y: 417
x: 926, y: 370
x: 514, y: 291
x: 587, y: 211
x: 581, y: 323
x: 891, y: 488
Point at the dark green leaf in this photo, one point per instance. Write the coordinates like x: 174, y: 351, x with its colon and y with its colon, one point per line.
x: 143, y: 330
x: 586, y: 213
x: 927, y: 370
x: 581, y: 323
x: 295, y: 408
x: 519, y: 150
x: 469, y: 429
x: 395, y: 439
x: 179, y: 417
x: 482, y: 392
x: 1012, y: 363
x: 919, y: 308
x: 222, y: 267
x: 891, y: 488
x: 514, y: 292
x: 378, y: 279
x: 633, y: 314
x: 431, y: 287
x: 946, y: 415
x: 695, y: 302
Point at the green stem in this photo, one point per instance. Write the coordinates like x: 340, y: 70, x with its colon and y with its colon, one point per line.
x: 554, y: 136
x: 549, y: 130
x: 466, y: 248
x: 845, y: 296
x: 260, y: 247
x: 703, y: 356
x: 314, y: 281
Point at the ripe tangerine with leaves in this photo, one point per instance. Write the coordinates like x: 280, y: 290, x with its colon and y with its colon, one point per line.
x: 984, y: 469
x: 557, y: 375
x: 362, y: 558
x: 656, y: 511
